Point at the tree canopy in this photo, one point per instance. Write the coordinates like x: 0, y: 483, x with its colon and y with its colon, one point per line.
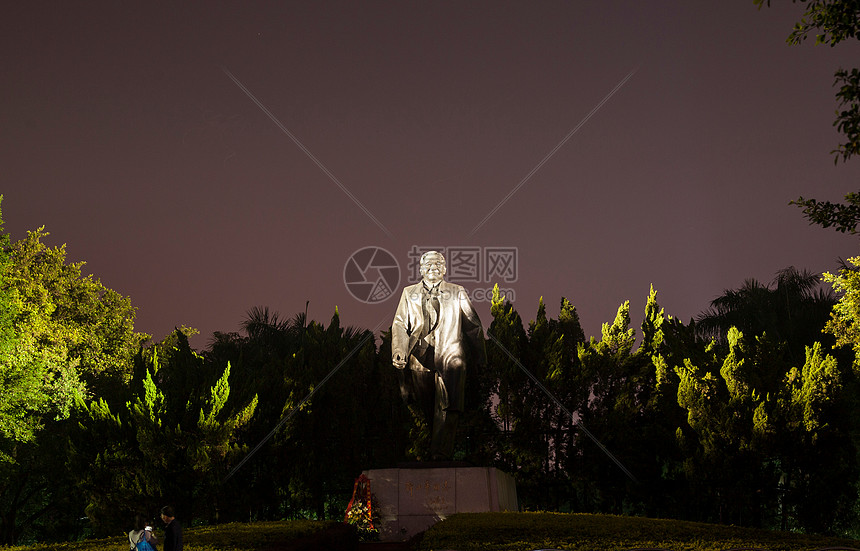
x: 745, y: 416
x: 832, y: 22
x: 62, y: 335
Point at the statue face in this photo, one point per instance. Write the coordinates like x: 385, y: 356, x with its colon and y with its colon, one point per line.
x: 433, y: 268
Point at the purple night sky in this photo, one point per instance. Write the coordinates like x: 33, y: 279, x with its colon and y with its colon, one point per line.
x: 124, y: 134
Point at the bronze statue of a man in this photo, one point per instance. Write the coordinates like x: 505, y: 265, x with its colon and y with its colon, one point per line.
x: 428, y: 347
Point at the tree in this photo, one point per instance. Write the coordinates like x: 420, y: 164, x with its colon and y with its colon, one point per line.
x: 258, y: 358
x: 24, y: 397
x: 732, y: 464
x: 536, y: 429
x: 834, y: 21
x: 330, y: 407
x: 63, y: 336
x: 348, y: 425
x: 607, y: 372
x: 809, y: 424
x: 792, y: 309
x: 770, y: 337
x: 509, y: 338
x: 658, y: 460
x: 843, y: 217
x: 174, y: 440
x: 844, y: 323
x: 72, y: 334
x: 769, y: 441
x: 37, y: 375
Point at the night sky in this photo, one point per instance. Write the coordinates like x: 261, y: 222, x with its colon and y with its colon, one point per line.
x: 206, y: 158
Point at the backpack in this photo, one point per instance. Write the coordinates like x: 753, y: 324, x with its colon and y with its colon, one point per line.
x: 143, y: 544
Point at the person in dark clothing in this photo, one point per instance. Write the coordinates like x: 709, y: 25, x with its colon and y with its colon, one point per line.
x: 172, y: 530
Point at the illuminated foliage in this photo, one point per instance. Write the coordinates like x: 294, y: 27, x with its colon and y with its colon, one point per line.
x: 174, y: 440
x: 37, y: 376
x: 61, y: 334
x: 845, y: 320
x: 745, y: 416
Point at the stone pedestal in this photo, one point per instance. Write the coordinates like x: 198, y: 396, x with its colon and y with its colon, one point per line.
x: 414, y: 499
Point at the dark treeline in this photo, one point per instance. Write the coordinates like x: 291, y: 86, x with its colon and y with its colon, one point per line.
x: 747, y: 415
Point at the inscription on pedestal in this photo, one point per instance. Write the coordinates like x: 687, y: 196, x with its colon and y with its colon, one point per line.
x: 412, y: 500
x: 434, y: 495
x: 427, y: 491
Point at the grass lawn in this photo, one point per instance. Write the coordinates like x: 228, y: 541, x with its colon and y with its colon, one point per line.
x: 583, y: 532
x: 488, y: 531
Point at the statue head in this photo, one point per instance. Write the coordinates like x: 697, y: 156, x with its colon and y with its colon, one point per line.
x: 432, y: 267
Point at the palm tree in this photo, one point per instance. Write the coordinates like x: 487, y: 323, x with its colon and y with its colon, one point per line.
x: 792, y: 308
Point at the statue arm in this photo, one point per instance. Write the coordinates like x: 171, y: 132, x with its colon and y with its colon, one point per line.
x: 400, y: 334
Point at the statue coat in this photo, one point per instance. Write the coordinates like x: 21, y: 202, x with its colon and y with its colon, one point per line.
x: 458, y: 323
